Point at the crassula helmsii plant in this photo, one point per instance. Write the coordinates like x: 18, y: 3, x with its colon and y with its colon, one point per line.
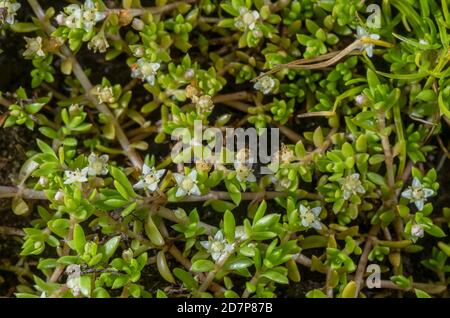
x: 360, y: 95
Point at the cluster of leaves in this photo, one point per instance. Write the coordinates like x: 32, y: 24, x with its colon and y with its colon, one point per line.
x: 370, y: 164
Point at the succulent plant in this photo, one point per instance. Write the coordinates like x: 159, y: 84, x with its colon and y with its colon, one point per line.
x: 116, y: 87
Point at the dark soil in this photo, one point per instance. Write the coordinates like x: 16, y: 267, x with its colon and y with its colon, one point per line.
x: 14, y: 142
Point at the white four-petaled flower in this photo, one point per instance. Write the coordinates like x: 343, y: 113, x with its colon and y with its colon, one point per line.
x: 247, y: 19
x: 76, y: 176
x: 73, y: 282
x: 98, y: 165
x: 98, y: 43
x: 150, y: 178
x: 417, y: 231
x: 351, y: 185
x: 9, y: 11
x: 204, y: 104
x: 368, y: 47
x: 187, y: 185
x: 33, y: 47
x: 105, y: 94
x: 309, y: 217
x: 265, y: 84
x: 244, y: 173
x: 417, y: 193
x: 80, y: 16
x: 145, y: 70
x: 217, y: 246
x: 283, y: 156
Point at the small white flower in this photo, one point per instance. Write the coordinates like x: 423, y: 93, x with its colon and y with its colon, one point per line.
x: 310, y: 217
x: 105, y: 94
x: 417, y: 193
x: 218, y: 247
x: 203, y: 166
x: 204, y: 104
x: 240, y: 234
x: 60, y: 18
x: 76, y: 176
x: 360, y: 99
x: 362, y: 33
x: 244, y: 156
x: 286, y: 154
x: 145, y: 70
x: 80, y: 16
x: 247, y: 19
x: 137, y: 24
x: 281, y: 184
x: 244, y: 173
x: 283, y: 156
x: 417, y: 231
x: 187, y: 185
x: 97, y: 165
x: 189, y: 74
x: 351, y: 185
x: 150, y: 178
x: 74, y: 279
x: 8, y: 11
x: 265, y: 84
x: 43, y: 181
x: 33, y: 47
x: 98, y: 43
x: 59, y: 196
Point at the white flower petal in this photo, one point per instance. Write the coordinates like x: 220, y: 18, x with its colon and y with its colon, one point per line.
x: 180, y: 193
x: 206, y: 244
x: 416, y: 183
x: 316, y: 225
x: 216, y: 256
x: 195, y: 191
x: 407, y: 194
x: 178, y: 177
x: 139, y: 185
x: 347, y: 194
x: 150, y: 79
x: 84, y: 171
x: 89, y: 4
x: 427, y: 192
x: 104, y: 158
x: 218, y: 236
x: 152, y: 187
x: 251, y: 177
x: 419, y: 204
x: 302, y: 209
x: 92, y: 158
x: 146, y: 169
x: 160, y: 173
x: 360, y: 32
x: 193, y: 175
x: 360, y: 189
x: 316, y: 211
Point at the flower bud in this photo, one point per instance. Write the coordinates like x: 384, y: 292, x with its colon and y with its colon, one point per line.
x: 417, y: 230
x: 137, y: 24
x: 127, y: 255
x: 59, y: 196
